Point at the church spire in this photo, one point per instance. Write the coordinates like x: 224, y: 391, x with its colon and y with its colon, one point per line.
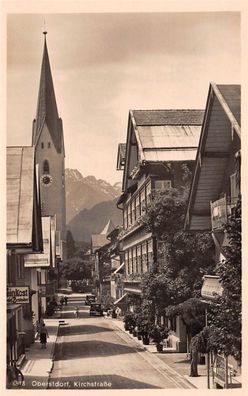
x: 47, y: 111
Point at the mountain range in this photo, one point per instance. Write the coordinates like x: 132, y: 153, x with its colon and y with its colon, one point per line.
x: 90, y: 203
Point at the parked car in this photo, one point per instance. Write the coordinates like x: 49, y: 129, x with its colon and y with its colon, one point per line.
x: 90, y: 298
x: 96, y: 309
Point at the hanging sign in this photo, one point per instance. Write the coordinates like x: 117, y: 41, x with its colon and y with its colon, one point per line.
x: 18, y: 295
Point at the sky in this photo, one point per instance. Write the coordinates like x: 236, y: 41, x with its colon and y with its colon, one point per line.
x: 104, y: 64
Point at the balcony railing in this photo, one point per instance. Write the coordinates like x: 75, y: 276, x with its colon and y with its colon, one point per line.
x: 132, y: 278
x: 220, y: 210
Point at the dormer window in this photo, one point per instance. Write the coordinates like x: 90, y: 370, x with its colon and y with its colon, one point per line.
x: 42, y: 145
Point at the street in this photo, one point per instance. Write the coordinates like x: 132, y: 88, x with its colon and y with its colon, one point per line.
x: 93, y: 353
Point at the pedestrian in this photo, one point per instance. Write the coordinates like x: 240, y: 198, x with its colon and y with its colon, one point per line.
x: 43, y: 335
x: 76, y: 312
x: 66, y: 300
x: 62, y: 300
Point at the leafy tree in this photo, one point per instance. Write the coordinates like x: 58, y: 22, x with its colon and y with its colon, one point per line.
x: 70, y: 244
x: 225, y: 314
x: 192, y: 312
x: 76, y: 269
x: 183, y: 258
x: 107, y: 300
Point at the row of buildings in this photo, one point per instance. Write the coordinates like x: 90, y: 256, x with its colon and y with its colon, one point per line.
x: 35, y: 219
x: 159, y: 144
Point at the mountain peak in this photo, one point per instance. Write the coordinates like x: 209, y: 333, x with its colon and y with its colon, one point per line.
x: 73, y: 174
x: 85, y: 192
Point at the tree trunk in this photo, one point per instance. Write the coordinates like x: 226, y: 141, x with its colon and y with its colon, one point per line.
x: 193, y: 362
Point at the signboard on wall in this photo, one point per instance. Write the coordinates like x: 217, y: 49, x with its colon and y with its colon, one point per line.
x: 18, y: 295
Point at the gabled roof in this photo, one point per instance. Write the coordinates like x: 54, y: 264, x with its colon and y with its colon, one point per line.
x: 20, y: 195
x: 161, y: 136
x: 168, y: 117
x: 97, y: 241
x: 221, y: 126
x: 47, y: 111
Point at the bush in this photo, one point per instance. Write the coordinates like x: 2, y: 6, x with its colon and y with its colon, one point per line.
x: 158, y: 333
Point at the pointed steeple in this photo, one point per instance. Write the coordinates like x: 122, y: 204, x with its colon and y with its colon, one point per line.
x: 108, y: 228
x: 47, y: 107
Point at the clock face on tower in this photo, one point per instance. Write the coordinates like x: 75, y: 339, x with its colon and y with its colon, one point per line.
x: 46, y: 180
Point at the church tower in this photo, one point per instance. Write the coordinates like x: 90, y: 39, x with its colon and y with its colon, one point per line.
x: 48, y: 140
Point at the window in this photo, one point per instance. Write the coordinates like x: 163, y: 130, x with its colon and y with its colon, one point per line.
x: 144, y: 256
x: 142, y: 198
x: 234, y: 187
x: 137, y: 206
x: 46, y: 167
x: 125, y: 218
x: 148, y: 192
x: 134, y: 261
x: 10, y: 266
x: 133, y: 211
x: 130, y: 261
x: 38, y: 278
x: 129, y: 214
x: 19, y: 267
x: 149, y: 254
x: 42, y: 145
x: 19, y: 320
x: 139, y: 259
x: 49, y: 145
x: 173, y: 323
x: 127, y: 263
x: 162, y: 184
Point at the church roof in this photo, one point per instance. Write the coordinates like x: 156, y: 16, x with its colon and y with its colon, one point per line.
x: 108, y: 228
x: 47, y: 111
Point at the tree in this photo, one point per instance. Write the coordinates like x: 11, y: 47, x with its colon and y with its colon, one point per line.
x: 76, y: 269
x: 183, y: 258
x: 225, y: 313
x: 70, y: 244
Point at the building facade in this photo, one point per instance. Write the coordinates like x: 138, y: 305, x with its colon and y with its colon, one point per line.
x: 160, y: 144
x: 24, y: 236
x: 215, y: 190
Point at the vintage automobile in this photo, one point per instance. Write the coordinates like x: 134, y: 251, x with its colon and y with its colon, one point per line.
x: 90, y: 298
x: 96, y: 309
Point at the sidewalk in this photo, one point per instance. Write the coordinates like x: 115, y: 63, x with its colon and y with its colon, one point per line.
x: 39, y: 362
x: 178, y: 362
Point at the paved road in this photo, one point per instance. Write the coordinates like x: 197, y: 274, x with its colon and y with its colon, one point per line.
x: 93, y: 353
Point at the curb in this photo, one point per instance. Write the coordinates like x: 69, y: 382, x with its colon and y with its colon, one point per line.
x: 53, y: 355
x: 144, y: 348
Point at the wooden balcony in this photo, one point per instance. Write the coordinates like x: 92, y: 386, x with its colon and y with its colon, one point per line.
x: 220, y: 210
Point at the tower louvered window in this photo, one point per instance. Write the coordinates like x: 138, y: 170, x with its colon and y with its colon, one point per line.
x: 46, y: 167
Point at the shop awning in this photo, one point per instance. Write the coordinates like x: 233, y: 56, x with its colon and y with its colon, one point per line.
x: 117, y: 302
x: 211, y: 287
x: 13, y: 307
